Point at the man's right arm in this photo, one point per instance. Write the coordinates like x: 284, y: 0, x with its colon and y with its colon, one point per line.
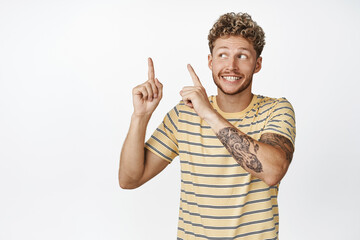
x: 138, y: 165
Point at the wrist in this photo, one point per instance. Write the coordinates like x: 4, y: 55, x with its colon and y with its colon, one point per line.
x: 211, y: 117
x: 140, y: 118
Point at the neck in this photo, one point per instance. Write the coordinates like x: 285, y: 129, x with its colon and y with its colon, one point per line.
x: 233, y: 103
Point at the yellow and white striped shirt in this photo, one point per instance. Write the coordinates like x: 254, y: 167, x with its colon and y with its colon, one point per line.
x: 219, y: 199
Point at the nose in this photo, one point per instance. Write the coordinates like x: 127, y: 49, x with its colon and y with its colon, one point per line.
x: 232, y: 64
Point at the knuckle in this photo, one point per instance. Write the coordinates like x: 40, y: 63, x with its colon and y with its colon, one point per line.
x: 149, y: 88
x: 154, y: 87
x: 136, y: 89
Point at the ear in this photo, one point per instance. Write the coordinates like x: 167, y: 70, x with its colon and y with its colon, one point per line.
x: 210, y: 61
x: 258, y: 64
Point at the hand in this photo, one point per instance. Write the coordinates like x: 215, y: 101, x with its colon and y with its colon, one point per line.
x: 195, y: 96
x: 146, y: 96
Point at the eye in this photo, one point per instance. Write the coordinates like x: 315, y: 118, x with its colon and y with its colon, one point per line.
x: 242, y: 56
x: 222, y: 55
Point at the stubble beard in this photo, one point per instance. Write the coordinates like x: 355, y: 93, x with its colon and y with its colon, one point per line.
x: 242, y: 88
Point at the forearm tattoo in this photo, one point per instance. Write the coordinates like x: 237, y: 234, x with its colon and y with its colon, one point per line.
x: 241, y: 147
x: 279, y: 141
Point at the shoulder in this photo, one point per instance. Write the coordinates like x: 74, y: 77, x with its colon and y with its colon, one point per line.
x: 273, y: 103
x: 179, y: 107
x: 264, y: 99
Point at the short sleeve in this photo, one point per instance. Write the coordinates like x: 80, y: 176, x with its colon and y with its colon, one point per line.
x: 282, y: 120
x: 163, y: 142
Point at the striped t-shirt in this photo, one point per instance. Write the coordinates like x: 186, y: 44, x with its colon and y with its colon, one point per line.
x: 219, y: 199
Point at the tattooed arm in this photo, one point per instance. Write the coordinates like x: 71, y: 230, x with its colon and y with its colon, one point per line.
x: 267, y: 159
x: 242, y: 147
x: 280, y: 142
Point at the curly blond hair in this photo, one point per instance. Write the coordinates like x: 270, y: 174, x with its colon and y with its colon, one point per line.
x: 238, y: 24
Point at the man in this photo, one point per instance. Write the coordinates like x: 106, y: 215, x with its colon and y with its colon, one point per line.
x: 234, y: 148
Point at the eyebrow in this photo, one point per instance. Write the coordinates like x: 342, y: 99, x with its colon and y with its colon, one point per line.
x: 242, y: 48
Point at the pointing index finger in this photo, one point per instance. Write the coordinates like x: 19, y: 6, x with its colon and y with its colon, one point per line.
x: 151, y: 71
x: 194, y: 77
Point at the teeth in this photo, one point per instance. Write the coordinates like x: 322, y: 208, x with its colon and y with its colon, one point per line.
x: 231, y: 78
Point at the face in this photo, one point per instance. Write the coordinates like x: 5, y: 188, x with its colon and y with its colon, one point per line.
x: 233, y: 62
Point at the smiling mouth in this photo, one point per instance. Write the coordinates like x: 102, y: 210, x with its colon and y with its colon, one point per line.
x: 231, y: 78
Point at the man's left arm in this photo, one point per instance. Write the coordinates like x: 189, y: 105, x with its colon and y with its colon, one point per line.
x: 267, y: 159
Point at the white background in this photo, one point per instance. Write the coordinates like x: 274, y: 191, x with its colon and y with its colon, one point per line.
x: 66, y: 73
